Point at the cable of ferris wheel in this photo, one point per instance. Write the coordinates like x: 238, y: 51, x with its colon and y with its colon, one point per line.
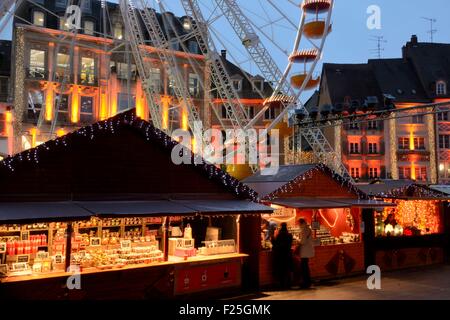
x: 294, y: 4
x: 194, y: 64
x: 267, y: 21
x: 294, y: 25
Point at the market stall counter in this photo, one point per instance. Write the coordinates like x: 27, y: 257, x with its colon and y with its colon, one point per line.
x: 331, y: 206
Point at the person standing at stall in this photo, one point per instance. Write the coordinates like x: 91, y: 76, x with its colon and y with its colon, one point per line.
x: 282, y: 256
x: 306, y: 251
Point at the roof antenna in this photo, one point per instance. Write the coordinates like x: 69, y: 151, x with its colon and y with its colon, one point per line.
x: 379, y: 40
x: 432, y: 31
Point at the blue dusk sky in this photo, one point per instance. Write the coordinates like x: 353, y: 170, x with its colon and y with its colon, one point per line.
x: 350, y: 41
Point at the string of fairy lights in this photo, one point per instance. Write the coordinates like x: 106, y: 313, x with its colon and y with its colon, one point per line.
x: 309, y: 174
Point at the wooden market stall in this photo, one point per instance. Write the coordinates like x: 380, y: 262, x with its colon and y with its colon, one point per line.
x: 414, y: 232
x: 139, y: 225
x: 331, y: 205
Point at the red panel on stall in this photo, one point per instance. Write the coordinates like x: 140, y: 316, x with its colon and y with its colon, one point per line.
x: 207, y: 277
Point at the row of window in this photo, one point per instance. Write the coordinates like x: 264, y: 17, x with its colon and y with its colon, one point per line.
x: 354, y: 148
x: 356, y: 173
x: 404, y: 143
x: 371, y: 125
x: 420, y: 173
x: 257, y: 85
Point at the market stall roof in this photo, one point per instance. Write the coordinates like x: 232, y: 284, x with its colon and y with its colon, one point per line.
x: 365, y: 204
x: 134, y: 208
x: 317, y: 203
x: 225, y: 206
x: 18, y: 212
x: 402, y: 189
x: 444, y: 188
x: 172, y: 207
x: 308, y: 203
x: 268, y: 185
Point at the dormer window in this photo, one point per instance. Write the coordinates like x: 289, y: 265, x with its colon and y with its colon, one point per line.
x: 187, y: 25
x: 258, y: 85
x: 441, y: 88
x: 38, y: 18
x: 237, y: 84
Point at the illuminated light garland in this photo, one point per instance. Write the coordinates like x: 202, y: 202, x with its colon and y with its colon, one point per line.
x: 289, y: 187
x: 155, y: 136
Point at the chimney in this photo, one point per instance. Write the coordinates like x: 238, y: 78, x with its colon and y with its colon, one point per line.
x: 223, y: 54
x: 414, y: 39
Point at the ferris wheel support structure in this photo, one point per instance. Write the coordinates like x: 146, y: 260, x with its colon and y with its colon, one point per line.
x: 137, y: 40
x: 219, y: 74
x: 268, y: 67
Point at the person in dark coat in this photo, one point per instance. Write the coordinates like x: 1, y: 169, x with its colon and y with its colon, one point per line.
x: 282, y: 256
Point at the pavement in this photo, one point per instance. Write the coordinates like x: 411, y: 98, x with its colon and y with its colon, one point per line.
x: 431, y: 283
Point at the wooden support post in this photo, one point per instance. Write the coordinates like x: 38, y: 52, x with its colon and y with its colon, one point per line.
x: 68, y: 244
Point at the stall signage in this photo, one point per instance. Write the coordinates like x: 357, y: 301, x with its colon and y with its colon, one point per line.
x: 194, y: 279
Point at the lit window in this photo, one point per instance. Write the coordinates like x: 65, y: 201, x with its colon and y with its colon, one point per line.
x: 63, y: 24
x: 62, y: 66
x: 187, y: 25
x: 403, y: 143
x: 38, y: 18
x: 373, y: 148
x: 237, y: 85
x: 37, y: 64
x: 373, y: 173
x: 89, y: 27
x: 444, y: 141
x: 354, y: 148
x: 194, y: 85
x: 441, y: 88
x: 419, y: 143
x: 118, y: 31
x: 87, y: 71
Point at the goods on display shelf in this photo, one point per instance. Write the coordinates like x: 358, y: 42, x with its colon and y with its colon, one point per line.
x: 99, y: 244
x: 217, y: 247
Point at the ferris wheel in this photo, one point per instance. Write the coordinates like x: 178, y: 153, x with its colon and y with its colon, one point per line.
x: 282, y: 41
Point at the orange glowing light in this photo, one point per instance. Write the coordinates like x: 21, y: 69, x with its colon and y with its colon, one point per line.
x: 165, y: 100
x: 413, y: 171
x: 103, y: 106
x: 49, y: 103
x: 9, y: 131
x: 75, y: 114
x: 8, y: 117
x: 60, y: 132
x: 411, y: 141
x: 33, y: 132
x: 184, y: 119
x: 139, y: 101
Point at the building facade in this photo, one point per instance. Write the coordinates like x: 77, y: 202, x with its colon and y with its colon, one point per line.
x: 409, y: 144
x: 60, y: 84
